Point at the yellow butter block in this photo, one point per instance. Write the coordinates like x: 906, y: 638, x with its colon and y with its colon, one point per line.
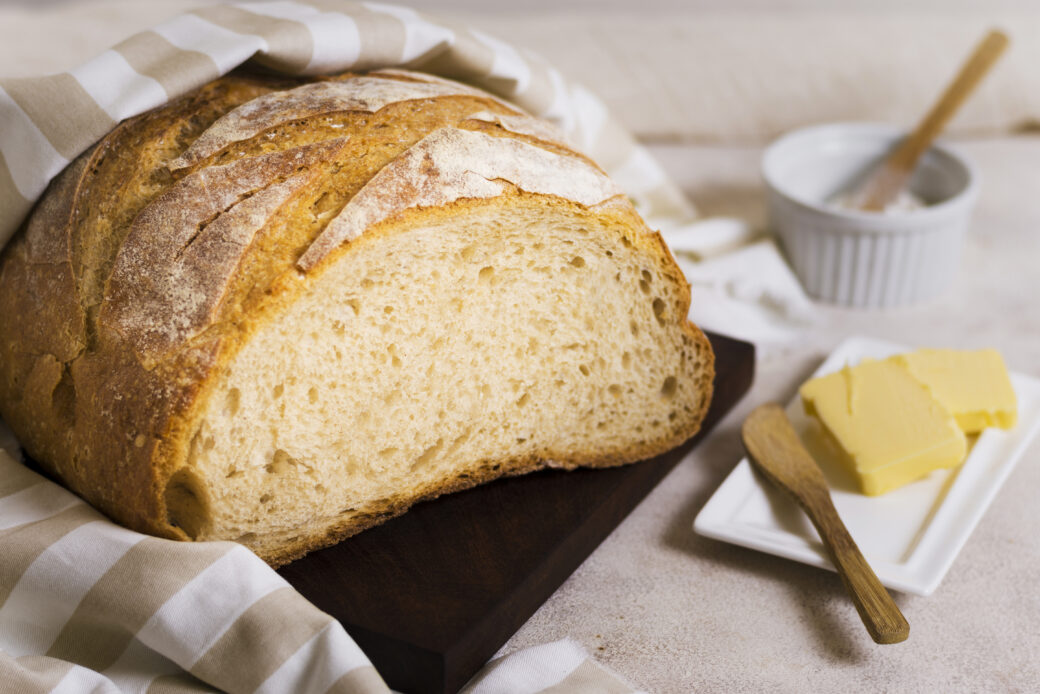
x: 973, y: 385
x: 889, y: 426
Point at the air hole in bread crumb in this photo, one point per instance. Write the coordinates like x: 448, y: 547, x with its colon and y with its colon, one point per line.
x: 647, y: 276
x: 279, y: 390
x: 669, y: 387
x: 584, y: 370
x: 232, y: 401
x: 626, y: 360
x: 281, y: 462
x: 312, y: 395
x: 614, y: 389
x: 185, y: 504
x: 264, y: 498
x: 139, y: 441
x: 354, y: 305
x: 644, y: 286
x: 428, y: 454
x: 486, y: 273
x: 633, y: 328
x: 467, y: 253
x: 672, y: 415
x: 519, y: 440
x: 524, y: 399
x: 387, y: 452
x: 578, y: 261
x: 658, y: 307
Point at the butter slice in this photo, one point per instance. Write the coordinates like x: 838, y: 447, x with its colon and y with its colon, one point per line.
x: 889, y: 426
x: 973, y: 385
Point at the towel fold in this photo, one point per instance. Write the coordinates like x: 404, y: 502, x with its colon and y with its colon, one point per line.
x: 750, y: 293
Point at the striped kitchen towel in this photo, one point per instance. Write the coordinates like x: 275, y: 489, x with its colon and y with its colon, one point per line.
x: 45, y: 122
x: 88, y: 606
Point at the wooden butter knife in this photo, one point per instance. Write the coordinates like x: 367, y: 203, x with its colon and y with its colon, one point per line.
x: 776, y: 450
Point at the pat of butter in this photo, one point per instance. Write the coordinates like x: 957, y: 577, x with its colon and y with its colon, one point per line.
x: 889, y: 426
x: 974, y: 386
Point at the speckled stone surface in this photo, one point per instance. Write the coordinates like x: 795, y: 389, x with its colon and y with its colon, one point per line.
x: 676, y: 612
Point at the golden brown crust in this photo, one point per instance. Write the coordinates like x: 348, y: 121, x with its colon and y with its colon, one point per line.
x: 104, y: 366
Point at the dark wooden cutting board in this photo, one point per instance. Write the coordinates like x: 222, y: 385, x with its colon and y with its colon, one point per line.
x: 432, y: 595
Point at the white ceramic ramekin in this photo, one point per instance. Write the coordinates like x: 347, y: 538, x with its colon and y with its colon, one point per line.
x: 866, y: 259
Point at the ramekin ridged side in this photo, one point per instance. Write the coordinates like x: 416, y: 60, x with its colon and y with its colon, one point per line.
x: 866, y: 259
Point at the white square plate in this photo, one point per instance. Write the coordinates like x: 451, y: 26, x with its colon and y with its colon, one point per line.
x: 911, y: 535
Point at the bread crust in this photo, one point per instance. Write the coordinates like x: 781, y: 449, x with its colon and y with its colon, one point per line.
x: 105, y: 370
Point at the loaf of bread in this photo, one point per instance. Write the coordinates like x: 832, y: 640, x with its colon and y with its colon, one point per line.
x: 282, y: 311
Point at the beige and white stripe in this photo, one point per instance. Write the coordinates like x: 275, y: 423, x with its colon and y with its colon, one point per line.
x: 86, y: 605
x: 46, y: 122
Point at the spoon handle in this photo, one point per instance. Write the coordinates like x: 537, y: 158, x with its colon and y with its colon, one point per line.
x: 880, y: 614
x: 897, y: 168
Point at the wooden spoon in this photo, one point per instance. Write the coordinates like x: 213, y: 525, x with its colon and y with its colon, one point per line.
x: 884, y: 184
x: 777, y: 451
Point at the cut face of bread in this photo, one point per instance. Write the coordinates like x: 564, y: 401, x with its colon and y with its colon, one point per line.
x: 282, y: 311
x: 439, y: 354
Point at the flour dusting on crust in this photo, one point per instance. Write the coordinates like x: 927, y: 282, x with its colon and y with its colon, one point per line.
x: 451, y: 164
x: 368, y: 94
x: 182, y: 251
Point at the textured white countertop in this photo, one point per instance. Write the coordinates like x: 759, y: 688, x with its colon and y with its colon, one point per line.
x: 675, y: 612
